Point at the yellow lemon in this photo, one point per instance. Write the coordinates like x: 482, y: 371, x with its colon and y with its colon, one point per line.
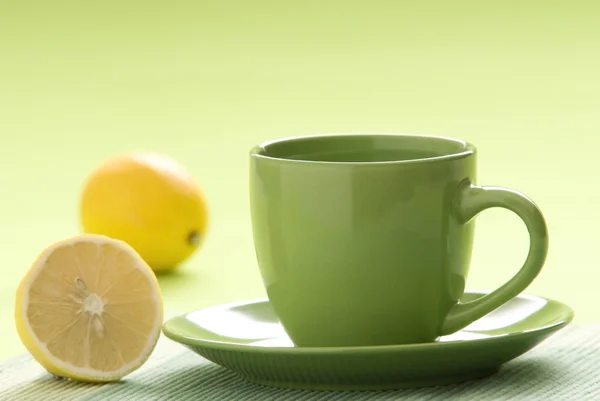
x: 149, y: 201
x: 89, y: 309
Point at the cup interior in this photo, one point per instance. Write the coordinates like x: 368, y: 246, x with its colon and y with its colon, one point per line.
x: 364, y: 148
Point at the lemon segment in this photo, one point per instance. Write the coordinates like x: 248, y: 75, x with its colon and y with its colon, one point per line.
x: 89, y: 309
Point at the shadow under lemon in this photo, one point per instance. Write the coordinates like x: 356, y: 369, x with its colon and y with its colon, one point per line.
x: 173, y: 281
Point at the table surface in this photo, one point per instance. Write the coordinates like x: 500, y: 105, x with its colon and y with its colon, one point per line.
x: 205, y: 81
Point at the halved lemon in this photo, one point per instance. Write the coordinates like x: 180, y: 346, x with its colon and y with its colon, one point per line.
x: 89, y: 309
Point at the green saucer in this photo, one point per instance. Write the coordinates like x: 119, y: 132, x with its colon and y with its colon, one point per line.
x: 248, y: 339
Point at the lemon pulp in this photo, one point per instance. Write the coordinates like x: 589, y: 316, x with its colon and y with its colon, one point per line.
x: 89, y: 308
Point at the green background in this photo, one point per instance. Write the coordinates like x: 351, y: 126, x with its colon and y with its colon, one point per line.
x: 203, y: 81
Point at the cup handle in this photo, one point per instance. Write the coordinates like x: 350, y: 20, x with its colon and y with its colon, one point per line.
x: 470, y: 201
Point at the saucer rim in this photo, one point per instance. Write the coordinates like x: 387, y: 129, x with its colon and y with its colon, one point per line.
x: 564, y: 318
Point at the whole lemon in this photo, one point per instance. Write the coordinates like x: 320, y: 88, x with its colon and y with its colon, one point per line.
x: 150, y: 201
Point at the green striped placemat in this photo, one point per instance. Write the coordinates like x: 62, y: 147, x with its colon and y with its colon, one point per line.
x: 564, y: 367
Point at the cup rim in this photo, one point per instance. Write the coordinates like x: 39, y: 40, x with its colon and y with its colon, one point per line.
x: 260, y: 151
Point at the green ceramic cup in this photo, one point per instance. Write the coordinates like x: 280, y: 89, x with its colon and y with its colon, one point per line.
x: 366, y: 239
